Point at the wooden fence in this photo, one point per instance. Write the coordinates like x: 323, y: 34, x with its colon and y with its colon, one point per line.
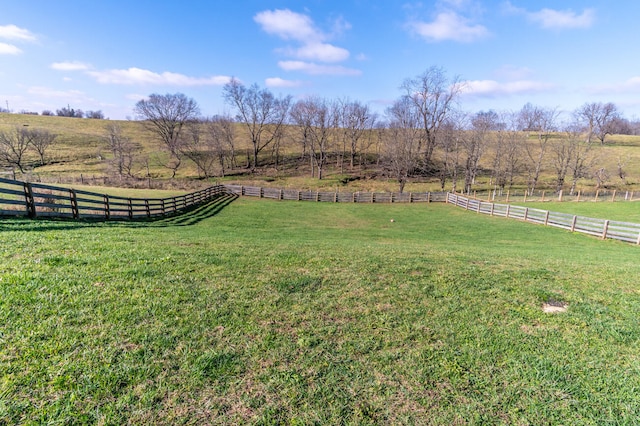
x: 33, y: 200
x: 337, y: 197
x: 623, y: 231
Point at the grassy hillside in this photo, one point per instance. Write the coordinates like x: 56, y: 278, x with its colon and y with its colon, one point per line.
x: 82, y: 150
x: 302, y: 313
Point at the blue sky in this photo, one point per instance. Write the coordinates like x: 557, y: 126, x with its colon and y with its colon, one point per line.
x: 106, y: 55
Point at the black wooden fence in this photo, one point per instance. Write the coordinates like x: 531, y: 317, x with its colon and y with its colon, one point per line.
x: 33, y: 200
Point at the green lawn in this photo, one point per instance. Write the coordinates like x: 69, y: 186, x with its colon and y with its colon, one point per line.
x: 270, y: 312
x: 624, y: 211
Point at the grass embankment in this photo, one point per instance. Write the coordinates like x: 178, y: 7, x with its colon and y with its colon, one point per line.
x: 283, y: 312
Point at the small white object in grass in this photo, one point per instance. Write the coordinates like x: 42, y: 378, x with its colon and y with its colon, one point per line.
x: 392, y: 220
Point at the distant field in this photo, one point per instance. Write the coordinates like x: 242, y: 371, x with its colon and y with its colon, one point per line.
x: 269, y: 312
x: 624, y: 211
x: 81, y: 149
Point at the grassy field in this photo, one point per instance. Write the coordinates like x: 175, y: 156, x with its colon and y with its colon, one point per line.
x: 269, y: 312
x: 81, y: 151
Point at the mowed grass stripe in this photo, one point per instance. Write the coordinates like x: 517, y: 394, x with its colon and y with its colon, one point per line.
x: 269, y: 312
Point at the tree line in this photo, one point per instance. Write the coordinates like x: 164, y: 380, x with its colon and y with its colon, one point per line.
x: 422, y: 134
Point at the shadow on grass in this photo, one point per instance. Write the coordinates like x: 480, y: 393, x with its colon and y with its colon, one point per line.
x: 187, y: 217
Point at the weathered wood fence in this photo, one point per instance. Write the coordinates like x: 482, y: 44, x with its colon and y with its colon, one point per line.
x: 33, y: 200
x: 337, y: 197
x: 603, y: 228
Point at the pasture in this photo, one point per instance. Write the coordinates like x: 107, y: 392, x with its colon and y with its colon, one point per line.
x: 269, y: 312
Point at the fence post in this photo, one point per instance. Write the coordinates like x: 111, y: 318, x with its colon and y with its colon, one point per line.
x: 526, y: 213
x: 507, y: 212
x: 391, y: 199
x: 560, y: 196
x: 146, y: 206
x: 29, y: 201
x: 573, y: 223
x: 605, y: 228
x: 162, y: 206
x: 335, y: 197
x: 507, y: 196
x: 613, y: 197
x: 411, y: 197
x: 107, y: 211
x: 542, y: 197
x: 428, y: 197
x: 281, y: 194
x: 597, y: 193
x: 74, y: 203
x: 373, y: 198
x: 546, y: 218
x: 466, y: 207
x: 130, y: 209
x: 493, y: 206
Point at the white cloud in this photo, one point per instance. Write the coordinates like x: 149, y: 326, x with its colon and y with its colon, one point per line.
x: 70, y: 66
x: 322, y: 52
x: 9, y: 49
x: 449, y: 26
x: 132, y: 76
x: 288, y: 25
x: 279, y: 82
x: 12, y: 32
x: 45, y: 92
x: 556, y: 19
x: 490, y: 88
x: 550, y: 18
x: 300, y: 28
x: 317, y: 69
x: 630, y: 85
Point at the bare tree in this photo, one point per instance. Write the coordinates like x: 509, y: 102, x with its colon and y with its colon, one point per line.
x: 198, y: 146
x: 41, y: 141
x: 542, y: 121
x: 355, y: 120
x: 122, y: 150
x: 483, y: 128
x: 400, y: 146
x: 14, y: 146
x: 166, y: 115
x: 433, y: 97
x: 301, y: 116
x: 260, y: 111
x: 510, y: 145
x: 600, y: 119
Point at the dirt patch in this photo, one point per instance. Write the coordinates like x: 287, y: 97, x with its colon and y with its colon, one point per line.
x: 554, y: 307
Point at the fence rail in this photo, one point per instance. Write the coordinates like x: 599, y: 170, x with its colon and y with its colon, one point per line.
x: 19, y: 198
x: 603, y: 228
x: 337, y: 197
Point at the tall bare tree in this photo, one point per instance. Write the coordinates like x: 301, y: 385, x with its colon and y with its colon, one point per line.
x: 122, y: 149
x: 400, y: 153
x: 41, y: 141
x: 433, y: 97
x: 14, y: 146
x: 599, y: 118
x: 541, y: 121
x: 166, y: 115
x: 356, y: 119
x: 260, y: 111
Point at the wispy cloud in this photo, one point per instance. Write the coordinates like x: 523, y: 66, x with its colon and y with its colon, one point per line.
x: 12, y: 32
x: 279, y: 82
x: 70, y: 66
x: 556, y: 19
x: 318, y: 69
x: 312, y: 43
x: 132, y: 76
x: 449, y: 26
x: 493, y: 88
x: 139, y: 76
x: 9, y: 49
x: 631, y: 85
